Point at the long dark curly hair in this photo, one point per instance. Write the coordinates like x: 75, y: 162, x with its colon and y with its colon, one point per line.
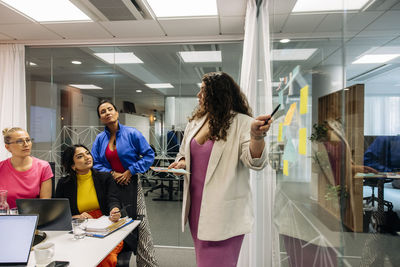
x: 222, y: 100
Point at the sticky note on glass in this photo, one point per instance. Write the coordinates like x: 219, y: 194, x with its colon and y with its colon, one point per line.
x: 302, y: 141
x: 289, y: 114
x: 303, y: 99
x: 280, y: 94
x: 289, y: 153
x: 280, y: 135
x: 286, y: 167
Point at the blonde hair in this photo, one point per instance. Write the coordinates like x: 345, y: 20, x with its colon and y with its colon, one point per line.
x: 8, y: 131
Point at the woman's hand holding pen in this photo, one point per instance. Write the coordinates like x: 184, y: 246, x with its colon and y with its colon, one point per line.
x: 259, y: 128
x: 115, y: 214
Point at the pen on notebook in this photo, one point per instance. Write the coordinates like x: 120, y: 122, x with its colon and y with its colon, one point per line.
x: 93, y: 235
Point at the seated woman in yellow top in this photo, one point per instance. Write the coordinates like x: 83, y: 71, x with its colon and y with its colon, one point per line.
x: 91, y: 193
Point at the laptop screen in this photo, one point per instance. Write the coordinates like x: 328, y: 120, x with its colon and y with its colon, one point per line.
x: 54, y: 213
x: 17, y: 233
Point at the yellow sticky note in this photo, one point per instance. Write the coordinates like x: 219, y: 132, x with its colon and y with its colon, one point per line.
x: 286, y: 167
x: 280, y: 139
x: 303, y: 99
x: 302, y: 141
x: 289, y: 114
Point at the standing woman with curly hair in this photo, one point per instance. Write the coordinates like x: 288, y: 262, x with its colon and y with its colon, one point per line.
x: 221, y: 143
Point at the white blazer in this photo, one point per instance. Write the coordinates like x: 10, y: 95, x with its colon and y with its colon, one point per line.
x: 226, y: 208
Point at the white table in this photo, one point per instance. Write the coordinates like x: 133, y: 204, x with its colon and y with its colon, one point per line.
x: 87, y: 252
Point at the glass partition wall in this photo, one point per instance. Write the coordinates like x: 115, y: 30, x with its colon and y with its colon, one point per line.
x: 154, y: 88
x: 337, y: 149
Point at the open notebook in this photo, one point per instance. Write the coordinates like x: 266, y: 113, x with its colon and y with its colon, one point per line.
x: 102, y: 226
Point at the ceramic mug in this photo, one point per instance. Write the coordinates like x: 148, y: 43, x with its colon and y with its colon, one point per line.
x: 44, y: 253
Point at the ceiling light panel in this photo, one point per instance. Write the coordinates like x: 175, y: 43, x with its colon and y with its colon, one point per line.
x: 159, y: 85
x: 327, y: 6
x: 292, y: 54
x: 183, y: 8
x: 119, y: 58
x: 85, y: 86
x: 200, y: 56
x: 48, y: 10
x: 373, y: 59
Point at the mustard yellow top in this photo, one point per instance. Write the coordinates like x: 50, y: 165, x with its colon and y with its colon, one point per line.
x: 86, y: 193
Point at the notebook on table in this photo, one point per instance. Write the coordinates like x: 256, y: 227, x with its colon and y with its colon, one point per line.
x: 102, y: 226
x: 54, y: 213
x: 17, y: 233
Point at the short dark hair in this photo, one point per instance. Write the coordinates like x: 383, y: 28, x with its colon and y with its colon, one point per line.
x: 103, y: 102
x: 67, y: 158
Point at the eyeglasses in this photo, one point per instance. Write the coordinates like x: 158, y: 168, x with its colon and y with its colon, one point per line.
x: 21, y: 142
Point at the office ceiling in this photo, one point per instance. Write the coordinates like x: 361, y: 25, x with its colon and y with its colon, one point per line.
x: 126, y: 23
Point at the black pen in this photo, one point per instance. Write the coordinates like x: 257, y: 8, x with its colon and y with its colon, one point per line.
x: 272, y: 114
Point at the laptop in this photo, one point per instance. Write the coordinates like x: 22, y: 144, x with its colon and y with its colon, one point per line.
x: 17, y: 233
x: 54, y: 213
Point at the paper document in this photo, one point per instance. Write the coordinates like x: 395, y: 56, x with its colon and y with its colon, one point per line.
x: 103, y: 226
x: 165, y: 169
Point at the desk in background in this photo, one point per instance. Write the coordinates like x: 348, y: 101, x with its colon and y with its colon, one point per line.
x: 87, y: 252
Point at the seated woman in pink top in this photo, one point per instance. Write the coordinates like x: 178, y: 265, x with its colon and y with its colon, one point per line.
x: 22, y: 175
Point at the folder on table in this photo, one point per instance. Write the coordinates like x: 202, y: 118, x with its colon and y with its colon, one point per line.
x: 102, y: 226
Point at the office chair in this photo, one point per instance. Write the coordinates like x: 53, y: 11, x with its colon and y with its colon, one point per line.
x: 371, y: 199
x: 124, y: 257
x: 53, y: 179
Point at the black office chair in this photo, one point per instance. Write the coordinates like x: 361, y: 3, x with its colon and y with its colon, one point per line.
x: 124, y: 257
x: 371, y: 182
x: 53, y: 179
x: 159, y: 179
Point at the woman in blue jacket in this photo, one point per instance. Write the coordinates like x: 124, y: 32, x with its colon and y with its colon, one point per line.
x: 124, y: 152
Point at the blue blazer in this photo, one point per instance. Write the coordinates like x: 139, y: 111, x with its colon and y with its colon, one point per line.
x: 133, y: 150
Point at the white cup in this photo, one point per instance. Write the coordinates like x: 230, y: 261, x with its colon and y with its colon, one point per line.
x: 44, y: 253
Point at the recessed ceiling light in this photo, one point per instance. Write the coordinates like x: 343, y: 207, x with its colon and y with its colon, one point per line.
x: 201, y: 56
x: 292, y: 54
x: 48, y: 10
x: 119, y: 58
x: 139, y: 91
x: 326, y: 6
x: 32, y: 64
x: 187, y: 8
x: 85, y: 86
x: 76, y: 62
x: 371, y: 59
x: 284, y: 41
x: 159, y: 85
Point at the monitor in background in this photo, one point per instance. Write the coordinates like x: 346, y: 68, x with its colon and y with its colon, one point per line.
x: 16, y: 237
x: 54, y: 213
x: 128, y: 107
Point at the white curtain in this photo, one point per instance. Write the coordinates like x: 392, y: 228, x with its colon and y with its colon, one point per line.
x: 381, y: 115
x: 261, y: 247
x: 12, y: 90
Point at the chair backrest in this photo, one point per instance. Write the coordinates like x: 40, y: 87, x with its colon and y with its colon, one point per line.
x: 53, y: 179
